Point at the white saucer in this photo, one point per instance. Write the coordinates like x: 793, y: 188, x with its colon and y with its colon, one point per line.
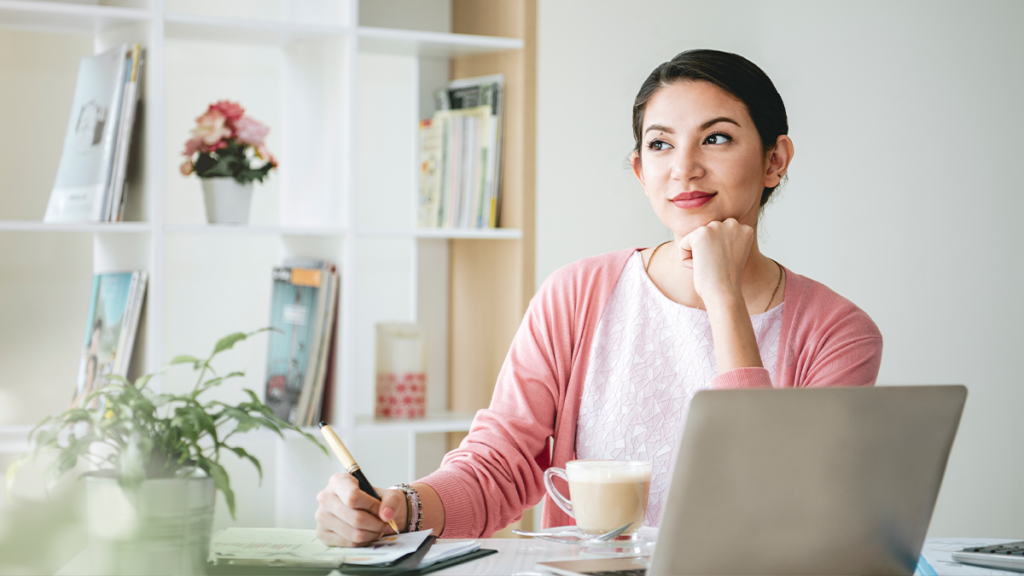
x: 640, y: 543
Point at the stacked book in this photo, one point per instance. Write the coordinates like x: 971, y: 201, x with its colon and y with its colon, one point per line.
x: 91, y: 184
x: 115, y: 310
x: 303, y: 313
x: 460, y: 156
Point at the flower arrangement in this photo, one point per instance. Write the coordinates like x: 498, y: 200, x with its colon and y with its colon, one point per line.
x: 138, y: 434
x: 227, y: 143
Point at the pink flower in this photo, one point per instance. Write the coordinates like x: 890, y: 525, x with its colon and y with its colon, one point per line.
x: 250, y: 131
x: 265, y: 154
x: 192, y: 145
x: 211, y: 128
x: 230, y: 110
x: 186, y: 168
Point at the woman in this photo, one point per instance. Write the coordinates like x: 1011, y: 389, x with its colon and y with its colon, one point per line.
x: 613, y: 347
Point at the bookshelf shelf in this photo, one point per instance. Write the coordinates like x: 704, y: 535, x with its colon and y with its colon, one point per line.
x: 63, y: 17
x: 246, y: 30
x: 431, y: 44
x: 96, y: 227
x: 433, y: 422
x: 444, y: 233
x: 232, y: 230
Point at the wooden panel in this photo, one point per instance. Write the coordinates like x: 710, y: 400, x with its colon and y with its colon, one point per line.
x: 492, y: 281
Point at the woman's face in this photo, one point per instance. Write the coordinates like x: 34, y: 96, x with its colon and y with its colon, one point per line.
x: 701, y: 158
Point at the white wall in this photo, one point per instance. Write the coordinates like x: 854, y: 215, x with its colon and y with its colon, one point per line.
x: 904, y: 194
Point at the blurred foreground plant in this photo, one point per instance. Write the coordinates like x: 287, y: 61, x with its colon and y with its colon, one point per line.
x: 138, y: 434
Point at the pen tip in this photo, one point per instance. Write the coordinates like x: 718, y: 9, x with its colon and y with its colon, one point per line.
x: 322, y: 423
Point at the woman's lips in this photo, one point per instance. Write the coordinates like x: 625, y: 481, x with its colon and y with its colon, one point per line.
x: 688, y: 200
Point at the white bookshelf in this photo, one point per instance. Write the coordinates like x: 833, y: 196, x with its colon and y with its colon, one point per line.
x: 346, y: 189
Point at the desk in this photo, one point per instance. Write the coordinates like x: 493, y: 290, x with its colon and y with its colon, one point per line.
x: 516, y: 557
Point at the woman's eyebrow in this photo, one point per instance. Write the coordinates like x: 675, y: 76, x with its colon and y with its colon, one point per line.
x: 660, y: 128
x: 711, y: 123
x: 704, y: 126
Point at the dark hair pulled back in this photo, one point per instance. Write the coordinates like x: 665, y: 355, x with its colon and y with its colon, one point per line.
x: 731, y: 72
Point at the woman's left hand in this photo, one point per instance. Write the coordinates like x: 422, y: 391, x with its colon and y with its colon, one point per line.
x: 717, y: 253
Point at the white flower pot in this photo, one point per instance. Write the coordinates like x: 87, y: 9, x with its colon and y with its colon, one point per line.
x: 227, y: 201
x: 166, y: 532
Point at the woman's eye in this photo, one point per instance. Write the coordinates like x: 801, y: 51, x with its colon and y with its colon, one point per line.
x: 658, y: 145
x: 717, y: 139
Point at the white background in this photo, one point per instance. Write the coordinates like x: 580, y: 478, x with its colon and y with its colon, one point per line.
x: 904, y: 195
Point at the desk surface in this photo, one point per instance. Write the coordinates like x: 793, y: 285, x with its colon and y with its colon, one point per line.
x: 514, y: 557
x: 517, y: 557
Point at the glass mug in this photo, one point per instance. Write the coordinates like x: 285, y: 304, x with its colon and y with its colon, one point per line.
x: 605, y: 493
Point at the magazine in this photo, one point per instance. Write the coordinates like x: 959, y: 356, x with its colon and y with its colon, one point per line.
x: 114, y: 310
x: 94, y: 158
x: 298, y: 304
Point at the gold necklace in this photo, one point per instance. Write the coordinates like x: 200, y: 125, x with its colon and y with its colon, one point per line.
x: 782, y: 273
x: 777, y: 284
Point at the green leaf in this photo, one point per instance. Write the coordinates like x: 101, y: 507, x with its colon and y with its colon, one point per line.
x: 143, y: 380
x: 252, y: 395
x: 184, y: 359
x: 243, y: 454
x: 75, y: 415
x: 220, y: 479
x: 119, y: 379
x: 228, y: 342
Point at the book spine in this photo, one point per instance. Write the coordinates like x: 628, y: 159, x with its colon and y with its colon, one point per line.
x: 119, y: 352
x: 136, y: 302
x: 101, y: 207
x: 129, y: 103
x: 326, y: 347
x: 309, y: 374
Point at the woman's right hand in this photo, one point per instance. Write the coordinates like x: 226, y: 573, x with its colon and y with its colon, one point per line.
x: 347, y: 516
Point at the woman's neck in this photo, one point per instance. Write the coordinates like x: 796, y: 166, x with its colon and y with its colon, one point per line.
x: 760, y: 277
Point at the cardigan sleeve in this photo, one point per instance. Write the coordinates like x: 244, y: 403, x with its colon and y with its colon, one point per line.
x: 497, y: 471
x: 830, y: 342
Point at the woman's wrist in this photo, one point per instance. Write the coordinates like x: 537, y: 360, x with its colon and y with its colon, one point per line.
x: 724, y: 301
x: 413, y: 507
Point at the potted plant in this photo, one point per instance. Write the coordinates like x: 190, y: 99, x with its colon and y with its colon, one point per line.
x: 150, y: 500
x: 228, y: 152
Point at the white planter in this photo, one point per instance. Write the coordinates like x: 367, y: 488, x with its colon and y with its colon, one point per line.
x: 227, y: 201
x: 166, y: 532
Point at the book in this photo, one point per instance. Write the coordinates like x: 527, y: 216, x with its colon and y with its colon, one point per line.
x: 460, y: 156
x: 84, y: 173
x: 114, y: 310
x: 313, y: 407
x: 129, y: 103
x: 294, y: 301
x: 312, y: 391
x: 133, y: 311
x: 431, y: 134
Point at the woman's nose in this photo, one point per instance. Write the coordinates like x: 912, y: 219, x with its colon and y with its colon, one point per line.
x: 688, y: 164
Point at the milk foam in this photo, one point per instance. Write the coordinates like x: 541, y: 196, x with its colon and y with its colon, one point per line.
x: 603, y: 471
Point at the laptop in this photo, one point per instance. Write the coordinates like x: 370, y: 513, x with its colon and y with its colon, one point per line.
x: 800, y: 481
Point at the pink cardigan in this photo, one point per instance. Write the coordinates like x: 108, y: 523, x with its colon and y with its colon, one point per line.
x: 497, y: 471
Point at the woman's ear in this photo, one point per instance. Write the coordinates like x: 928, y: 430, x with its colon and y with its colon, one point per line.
x: 778, y: 161
x: 638, y: 169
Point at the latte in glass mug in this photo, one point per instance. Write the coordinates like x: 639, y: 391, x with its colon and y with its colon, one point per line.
x: 605, y: 494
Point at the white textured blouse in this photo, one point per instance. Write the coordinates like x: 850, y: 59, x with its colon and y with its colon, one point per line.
x: 649, y: 357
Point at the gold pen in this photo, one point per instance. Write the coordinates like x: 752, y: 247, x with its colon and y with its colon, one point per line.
x: 350, y: 464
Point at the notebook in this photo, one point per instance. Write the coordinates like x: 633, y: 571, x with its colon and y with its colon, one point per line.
x: 282, y: 550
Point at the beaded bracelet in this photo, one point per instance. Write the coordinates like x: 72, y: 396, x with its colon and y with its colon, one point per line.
x: 413, y: 506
